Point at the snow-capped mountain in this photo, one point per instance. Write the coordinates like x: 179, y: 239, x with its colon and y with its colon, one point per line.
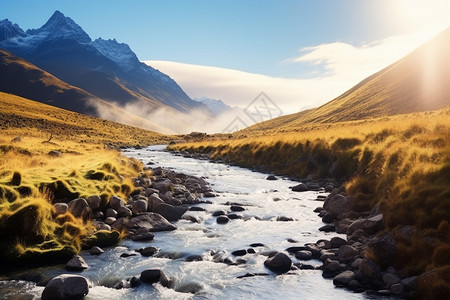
x: 216, y: 106
x: 9, y: 30
x: 104, y: 68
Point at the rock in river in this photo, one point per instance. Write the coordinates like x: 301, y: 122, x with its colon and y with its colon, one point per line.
x: 279, y: 263
x: 77, y: 263
x: 66, y: 286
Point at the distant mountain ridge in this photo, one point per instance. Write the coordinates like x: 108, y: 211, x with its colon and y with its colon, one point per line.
x: 217, y: 106
x: 104, y: 68
x: 418, y: 82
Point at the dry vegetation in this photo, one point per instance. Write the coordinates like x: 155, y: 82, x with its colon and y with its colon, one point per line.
x: 52, y: 155
x: 32, y: 177
x: 26, y: 118
x: 401, y: 164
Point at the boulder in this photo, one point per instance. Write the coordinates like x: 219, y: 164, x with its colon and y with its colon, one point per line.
x: 79, y: 208
x: 60, y: 208
x: 144, y: 236
x: 337, y: 242
x: 153, y: 201
x: 397, y: 289
x: 384, y: 249
x: 347, y: 253
x: 124, y: 212
x: 152, y: 222
x: 409, y: 283
x: 356, y: 225
x: 301, y: 187
x: 94, y: 202
x: 171, y: 213
x: 239, y: 252
x: 279, y: 263
x: 331, y: 268
x: 96, y: 250
x: 110, y: 220
x: 222, y: 220
x: 338, y: 204
x: 116, y: 202
x: 374, y: 224
x: 390, y: 279
x: 66, y: 286
x: 147, y: 251
x: 77, y: 263
x: 271, y: 177
x: 236, y: 208
x: 110, y: 212
x: 304, y: 255
x: 163, y: 185
x: 344, y: 278
x: 139, y: 206
x: 154, y: 275
x: 369, y: 268
x: 327, y: 228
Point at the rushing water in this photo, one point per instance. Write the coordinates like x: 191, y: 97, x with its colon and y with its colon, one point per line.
x: 264, y: 201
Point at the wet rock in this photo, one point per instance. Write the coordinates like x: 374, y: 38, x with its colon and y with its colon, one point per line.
x: 79, y: 208
x: 237, y: 208
x: 77, y: 263
x: 304, y: 255
x: 139, y: 206
x: 99, y: 215
x: 192, y: 258
x: 94, y: 202
x: 152, y: 222
x: 256, y: 245
x: 144, y: 236
x: 347, y: 253
x: 154, y: 275
x: 234, y: 216
x: 239, y: 252
x: 327, y: 228
x: 337, y: 242
x: 300, y: 188
x: 313, y: 186
x: 66, y: 286
x: 329, y: 217
x: 331, y: 269
x: 355, y: 286
x: 171, y: 213
x: 374, y: 224
x: 344, y: 278
x: 110, y: 220
x: 343, y: 225
x: 60, y: 208
x: 147, y: 251
x: 271, y: 177
x: 295, y: 249
x: 209, y: 194
x: 96, y: 250
x: 219, y: 213
x: 318, y: 209
x: 280, y: 263
x: 196, y: 208
x: 222, y: 220
x: 284, y: 219
x: 111, y: 213
x: 125, y: 255
x: 116, y: 202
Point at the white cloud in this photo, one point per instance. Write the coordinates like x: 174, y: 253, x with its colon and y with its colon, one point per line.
x: 345, y: 65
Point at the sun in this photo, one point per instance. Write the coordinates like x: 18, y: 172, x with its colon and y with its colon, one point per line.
x: 423, y: 15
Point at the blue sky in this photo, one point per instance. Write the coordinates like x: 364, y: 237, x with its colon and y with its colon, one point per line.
x: 291, y: 40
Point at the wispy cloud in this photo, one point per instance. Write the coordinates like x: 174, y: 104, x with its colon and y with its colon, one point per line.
x: 341, y: 66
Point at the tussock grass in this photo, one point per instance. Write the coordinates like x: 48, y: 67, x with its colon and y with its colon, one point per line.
x: 401, y: 164
x: 31, y: 180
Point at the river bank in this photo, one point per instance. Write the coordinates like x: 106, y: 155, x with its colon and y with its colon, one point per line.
x: 205, y: 257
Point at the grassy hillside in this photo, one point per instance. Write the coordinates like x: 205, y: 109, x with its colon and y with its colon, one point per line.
x: 48, y: 153
x: 400, y: 164
x: 23, y: 117
x: 418, y: 82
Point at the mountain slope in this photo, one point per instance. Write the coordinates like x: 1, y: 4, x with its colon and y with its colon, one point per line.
x: 106, y: 69
x: 24, y: 79
x: 418, y: 82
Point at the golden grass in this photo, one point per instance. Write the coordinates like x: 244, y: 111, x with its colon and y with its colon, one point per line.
x: 27, y: 118
x: 31, y: 180
x: 400, y: 163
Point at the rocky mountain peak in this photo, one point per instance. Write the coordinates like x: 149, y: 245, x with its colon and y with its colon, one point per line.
x: 9, y: 30
x: 60, y: 26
